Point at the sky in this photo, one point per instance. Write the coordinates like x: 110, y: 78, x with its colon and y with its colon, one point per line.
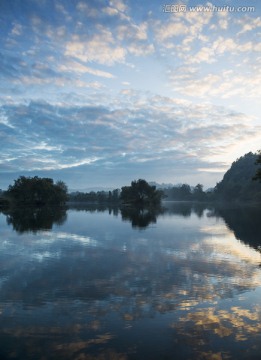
x: 100, y: 93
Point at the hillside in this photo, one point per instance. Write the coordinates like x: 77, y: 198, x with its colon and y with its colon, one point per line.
x: 237, y: 183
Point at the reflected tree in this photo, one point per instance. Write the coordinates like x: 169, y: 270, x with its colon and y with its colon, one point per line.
x: 185, y: 209
x: 244, y: 222
x: 35, y: 219
x: 93, y: 207
x: 140, y: 217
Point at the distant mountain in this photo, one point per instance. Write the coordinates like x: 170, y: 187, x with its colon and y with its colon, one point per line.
x: 161, y: 186
x: 237, y: 183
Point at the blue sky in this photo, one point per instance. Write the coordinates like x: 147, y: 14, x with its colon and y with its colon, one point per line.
x: 98, y: 93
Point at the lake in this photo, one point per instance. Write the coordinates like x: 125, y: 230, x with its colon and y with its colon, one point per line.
x: 182, y: 282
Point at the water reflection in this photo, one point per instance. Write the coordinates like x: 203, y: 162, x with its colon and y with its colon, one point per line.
x: 141, y: 217
x: 238, y: 325
x: 185, y: 209
x: 36, y: 218
x: 96, y: 288
x: 95, y: 208
x: 244, y: 222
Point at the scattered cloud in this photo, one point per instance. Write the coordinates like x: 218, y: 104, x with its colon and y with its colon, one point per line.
x: 170, y: 30
x: 162, y: 132
x: 100, y: 48
x: 73, y: 66
x: 100, y: 79
x: 248, y: 24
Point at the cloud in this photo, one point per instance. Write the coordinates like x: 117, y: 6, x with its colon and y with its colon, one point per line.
x: 221, y: 47
x: 110, y: 11
x: 11, y: 66
x: 119, y: 5
x: 141, y: 49
x: 58, y: 81
x: 109, y: 47
x: 223, y: 24
x: 172, y: 29
x: 160, y: 131
x: 103, y: 11
x: 225, y: 84
x: 248, y: 24
x: 17, y: 29
x: 73, y: 66
x: 81, y: 62
x: 100, y: 48
x: 189, y: 24
x: 205, y: 54
x: 132, y: 31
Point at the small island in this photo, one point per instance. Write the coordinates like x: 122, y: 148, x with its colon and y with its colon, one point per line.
x: 36, y: 191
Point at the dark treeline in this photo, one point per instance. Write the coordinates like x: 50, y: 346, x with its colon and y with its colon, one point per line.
x: 139, y: 193
x: 242, y: 183
x: 96, y: 197
x: 185, y: 192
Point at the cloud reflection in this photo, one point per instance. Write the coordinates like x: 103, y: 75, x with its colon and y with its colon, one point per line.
x: 236, y: 323
x: 94, y: 283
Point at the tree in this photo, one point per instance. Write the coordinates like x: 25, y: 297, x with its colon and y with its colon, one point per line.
x: 258, y: 172
x: 140, y: 193
x: 61, y: 191
x: 37, y: 191
x: 198, y: 192
x: 237, y: 183
x: 179, y: 193
x: 185, y: 192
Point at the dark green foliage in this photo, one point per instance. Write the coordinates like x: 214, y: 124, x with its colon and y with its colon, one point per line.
x: 198, y: 193
x: 4, y: 203
x: 140, y: 193
x: 37, y: 191
x: 101, y: 197
x: 258, y: 172
x: 186, y: 193
x: 237, y: 183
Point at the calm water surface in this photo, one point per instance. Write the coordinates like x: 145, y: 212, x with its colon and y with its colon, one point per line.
x: 183, y: 283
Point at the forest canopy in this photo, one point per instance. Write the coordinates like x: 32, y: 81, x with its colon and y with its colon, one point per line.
x: 37, y: 191
x: 258, y: 172
x: 237, y: 183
